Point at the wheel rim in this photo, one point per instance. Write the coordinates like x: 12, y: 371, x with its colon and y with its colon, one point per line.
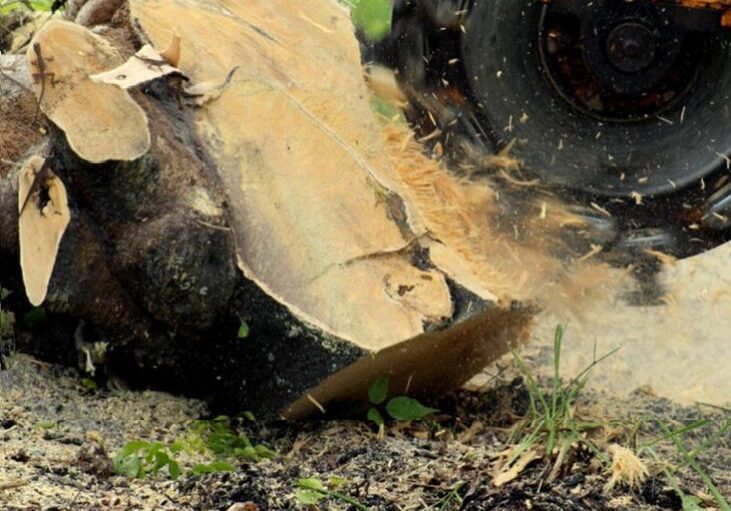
x: 624, y: 65
x: 559, y: 143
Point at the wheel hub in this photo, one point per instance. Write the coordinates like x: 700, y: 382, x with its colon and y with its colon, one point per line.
x: 631, y: 47
x: 618, y: 61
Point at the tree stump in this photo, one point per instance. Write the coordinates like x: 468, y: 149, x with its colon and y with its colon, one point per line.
x: 242, y: 175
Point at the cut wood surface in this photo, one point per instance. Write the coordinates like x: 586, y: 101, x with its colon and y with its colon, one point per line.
x: 357, y: 255
x: 300, y: 153
x: 41, y: 226
x: 101, y: 121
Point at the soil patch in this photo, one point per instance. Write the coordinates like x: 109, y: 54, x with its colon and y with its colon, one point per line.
x: 57, y: 438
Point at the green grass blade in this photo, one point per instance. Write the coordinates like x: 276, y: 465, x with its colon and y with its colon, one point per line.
x: 693, y: 463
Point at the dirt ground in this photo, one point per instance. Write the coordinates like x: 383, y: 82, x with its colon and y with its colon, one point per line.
x: 52, y: 427
x: 58, y: 437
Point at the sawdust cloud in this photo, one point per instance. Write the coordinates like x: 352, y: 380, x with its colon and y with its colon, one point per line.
x: 517, y: 244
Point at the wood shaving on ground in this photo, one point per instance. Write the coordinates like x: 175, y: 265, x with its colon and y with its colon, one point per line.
x: 627, y: 468
x: 510, y: 473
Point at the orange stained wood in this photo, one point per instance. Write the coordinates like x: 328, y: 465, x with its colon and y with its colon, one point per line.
x: 723, y: 5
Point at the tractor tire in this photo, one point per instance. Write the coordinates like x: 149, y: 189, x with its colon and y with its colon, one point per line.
x: 618, y: 106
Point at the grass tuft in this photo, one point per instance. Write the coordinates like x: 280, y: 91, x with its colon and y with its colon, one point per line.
x: 221, y: 440
x: 689, y: 458
x: 552, y: 429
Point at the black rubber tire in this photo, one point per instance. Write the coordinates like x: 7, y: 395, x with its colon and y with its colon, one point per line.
x: 570, y: 149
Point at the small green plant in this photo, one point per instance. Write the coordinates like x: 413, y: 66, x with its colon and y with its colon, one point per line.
x: 551, y: 426
x: 388, y: 110
x: 223, y: 438
x: 219, y: 438
x: 553, y: 429
x: 213, y: 467
x: 89, y: 384
x: 140, y: 459
x: 689, y: 458
x: 243, y: 329
x: 452, y: 500
x: 34, y: 317
x: 400, y: 408
x: 311, y: 491
x: 7, y: 6
x: 373, y: 17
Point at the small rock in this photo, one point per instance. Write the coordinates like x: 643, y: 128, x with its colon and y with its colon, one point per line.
x: 20, y: 456
x: 244, y: 506
x: 7, y: 423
